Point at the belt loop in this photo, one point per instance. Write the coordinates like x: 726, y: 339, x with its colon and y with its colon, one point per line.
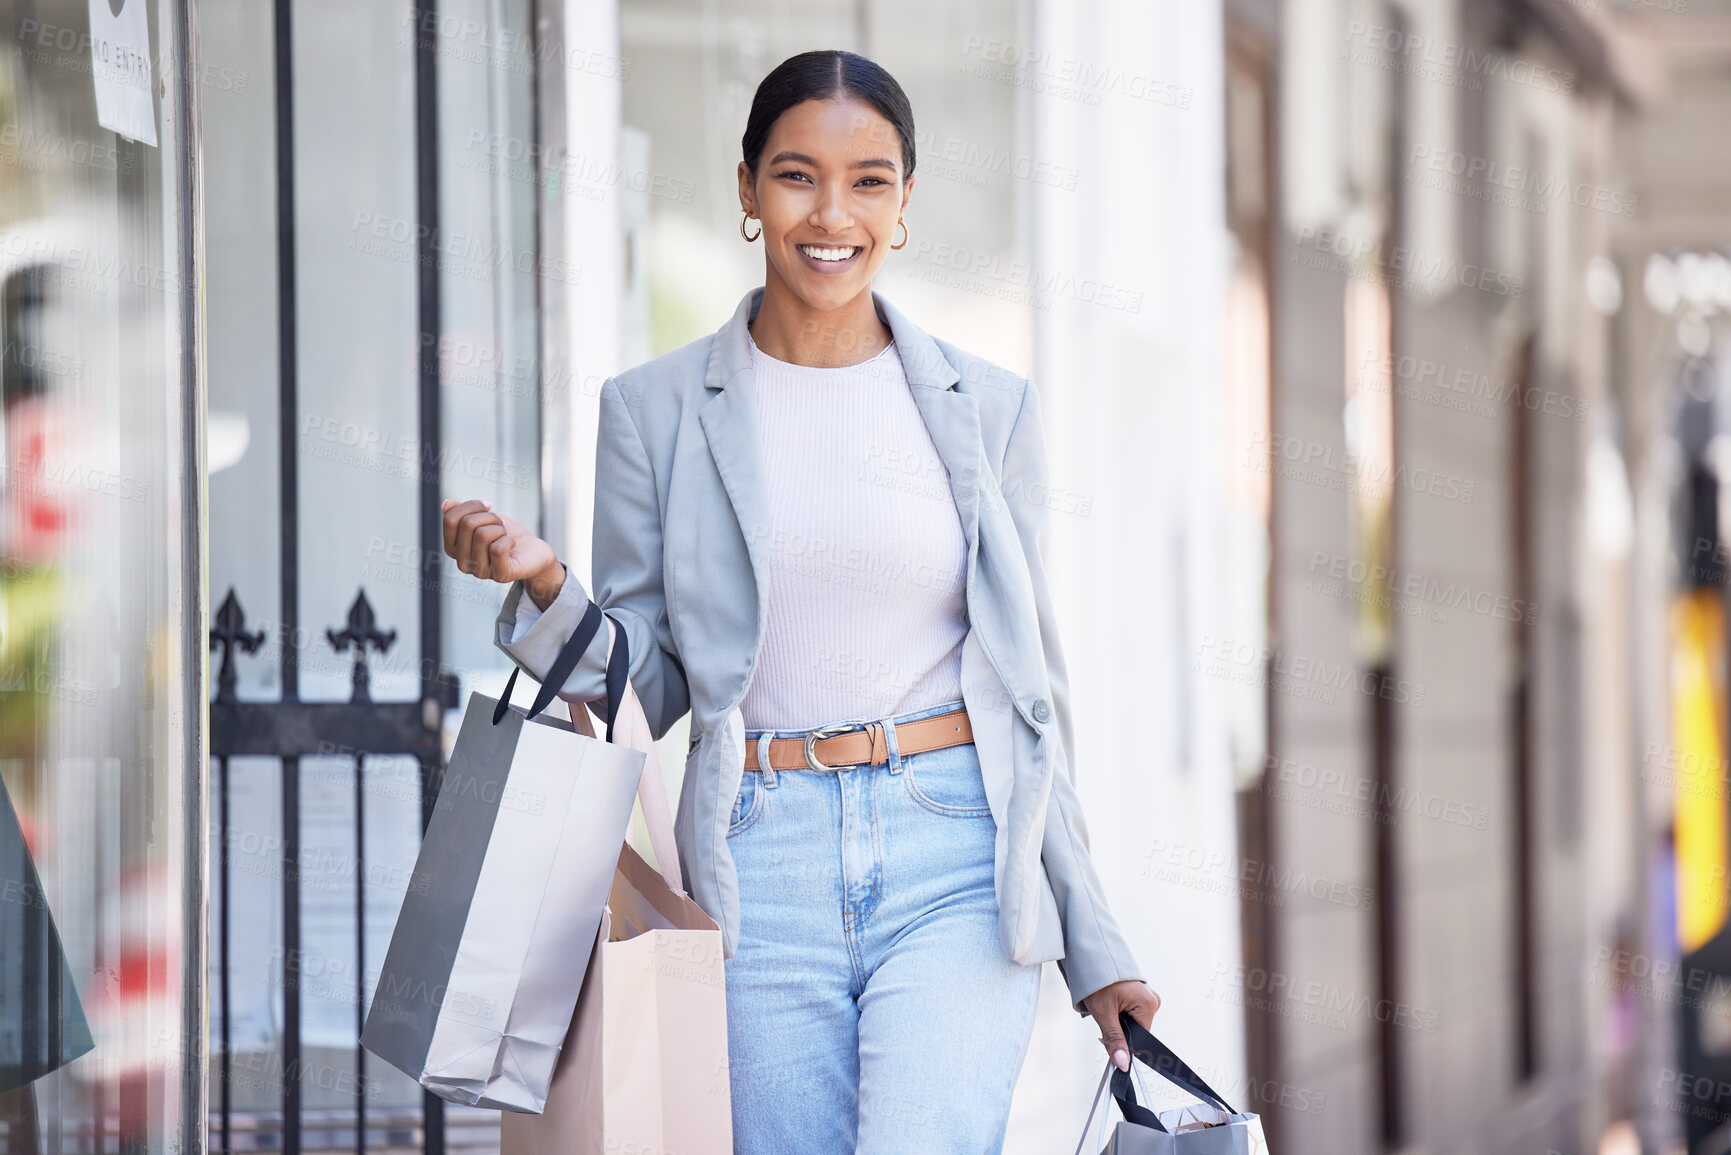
x: 763, y: 765
x: 890, y: 741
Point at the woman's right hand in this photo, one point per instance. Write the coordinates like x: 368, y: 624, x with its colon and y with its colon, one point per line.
x: 487, y: 544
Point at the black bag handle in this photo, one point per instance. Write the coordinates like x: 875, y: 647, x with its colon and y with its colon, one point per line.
x: 618, y: 672
x: 618, y: 669
x: 1157, y: 1057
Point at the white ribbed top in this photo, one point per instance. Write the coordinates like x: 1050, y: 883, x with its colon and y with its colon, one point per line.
x: 867, y: 557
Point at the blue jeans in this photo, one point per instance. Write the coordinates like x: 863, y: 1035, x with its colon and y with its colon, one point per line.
x: 870, y: 1005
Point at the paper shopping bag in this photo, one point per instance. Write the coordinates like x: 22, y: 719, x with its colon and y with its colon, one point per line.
x: 1209, y: 1127
x: 487, y: 957
x: 645, y: 1064
x: 644, y: 1067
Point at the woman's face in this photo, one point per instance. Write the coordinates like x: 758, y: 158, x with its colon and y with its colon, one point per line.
x: 829, y: 192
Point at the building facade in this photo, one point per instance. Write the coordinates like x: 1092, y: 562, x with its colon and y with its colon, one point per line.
x: 1378, y: 342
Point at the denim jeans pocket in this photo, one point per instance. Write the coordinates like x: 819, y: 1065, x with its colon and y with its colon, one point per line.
x: 948, y: 782
x: 748, y: 804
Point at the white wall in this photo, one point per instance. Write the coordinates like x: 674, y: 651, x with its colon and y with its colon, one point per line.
x: 1132, y: 398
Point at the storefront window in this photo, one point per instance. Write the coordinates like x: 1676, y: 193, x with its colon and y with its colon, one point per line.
x: 101, y: 639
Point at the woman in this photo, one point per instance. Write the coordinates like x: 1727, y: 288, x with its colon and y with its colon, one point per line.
x: 819, y: 530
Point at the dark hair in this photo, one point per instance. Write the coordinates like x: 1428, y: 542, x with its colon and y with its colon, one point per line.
x: 822, y: 75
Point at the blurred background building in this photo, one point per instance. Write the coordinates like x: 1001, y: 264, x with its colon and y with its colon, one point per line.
x: 1382, y: 344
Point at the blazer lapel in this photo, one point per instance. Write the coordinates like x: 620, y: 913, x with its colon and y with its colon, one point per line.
x: 729, y: 420
x: 952, y: 417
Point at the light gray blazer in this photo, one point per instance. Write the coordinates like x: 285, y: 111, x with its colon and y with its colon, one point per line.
x: 680, y: 533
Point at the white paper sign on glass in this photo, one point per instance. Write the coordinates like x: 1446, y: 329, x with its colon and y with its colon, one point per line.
x: 120, y: 68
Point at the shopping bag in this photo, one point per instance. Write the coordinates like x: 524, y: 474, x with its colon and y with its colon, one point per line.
x: 1209, y: 1127
x: 644, y: 1067
x: 478, y: 986
x: 42, y: 1024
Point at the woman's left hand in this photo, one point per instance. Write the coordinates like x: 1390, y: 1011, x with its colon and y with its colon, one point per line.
x: 1105, y: 1003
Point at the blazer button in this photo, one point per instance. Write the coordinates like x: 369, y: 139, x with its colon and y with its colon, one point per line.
x: 1041, y: 710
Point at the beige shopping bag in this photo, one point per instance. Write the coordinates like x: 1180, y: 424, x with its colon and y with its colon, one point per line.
x: 644, y: 1065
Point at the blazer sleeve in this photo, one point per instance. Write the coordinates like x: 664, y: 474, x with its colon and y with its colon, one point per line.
x: 627, y: 565
x: 1095, y: 952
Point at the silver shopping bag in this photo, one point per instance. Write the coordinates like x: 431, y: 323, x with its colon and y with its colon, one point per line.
x: 489, y: 951
x: 1208, y: 1127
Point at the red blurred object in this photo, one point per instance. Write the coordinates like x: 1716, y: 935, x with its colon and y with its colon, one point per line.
x: 132, y: 999
x: 41, y: 476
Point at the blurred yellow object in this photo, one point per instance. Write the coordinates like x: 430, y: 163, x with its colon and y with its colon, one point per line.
x: 1697, y: 697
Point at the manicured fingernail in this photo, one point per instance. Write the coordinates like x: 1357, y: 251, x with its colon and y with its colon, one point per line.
x: 486, y: 505
x: 1121, y: 1060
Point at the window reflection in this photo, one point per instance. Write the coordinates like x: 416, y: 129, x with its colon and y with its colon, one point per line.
x: 96, y: 602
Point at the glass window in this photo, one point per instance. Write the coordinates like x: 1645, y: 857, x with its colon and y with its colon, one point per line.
x: 101, y: 640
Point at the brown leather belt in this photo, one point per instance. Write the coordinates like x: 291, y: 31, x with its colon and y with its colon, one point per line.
x: 829, y: 749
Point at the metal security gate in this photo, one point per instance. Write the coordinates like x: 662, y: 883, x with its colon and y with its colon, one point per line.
x: 291, y: 728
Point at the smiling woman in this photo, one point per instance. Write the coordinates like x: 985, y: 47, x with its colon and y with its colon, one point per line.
x: 877, y: 807
x: 839, y: 138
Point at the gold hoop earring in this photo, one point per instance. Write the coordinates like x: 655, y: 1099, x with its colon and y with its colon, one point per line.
x: 904, y: 226
x: 743, y: 217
